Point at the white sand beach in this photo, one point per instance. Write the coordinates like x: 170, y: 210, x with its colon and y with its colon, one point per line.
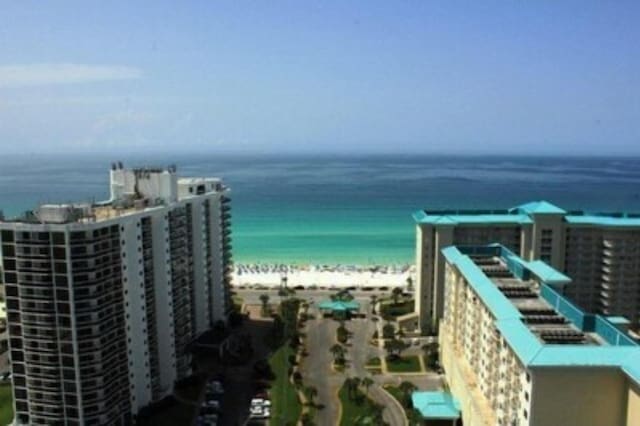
x: 323, y: 276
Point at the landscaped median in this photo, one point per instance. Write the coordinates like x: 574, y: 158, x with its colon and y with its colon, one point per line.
x: 285, y: 402
x: 374, y: 365
x: 286, y: 407
x: 6, y: 404
x: 357, y: 408
x: 404, y: 364
x: 402, y: 394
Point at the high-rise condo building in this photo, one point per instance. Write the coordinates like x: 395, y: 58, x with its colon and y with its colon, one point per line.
x: 517, y: 352
x: 103, y: 299
x: 600, y: 252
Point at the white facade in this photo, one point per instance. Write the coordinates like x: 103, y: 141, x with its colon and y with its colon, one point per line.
x: 121, y: 288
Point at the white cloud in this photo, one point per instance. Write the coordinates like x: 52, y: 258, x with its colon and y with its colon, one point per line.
x: 50, y: 74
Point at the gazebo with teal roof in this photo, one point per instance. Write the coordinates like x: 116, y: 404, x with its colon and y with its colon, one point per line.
x: 339, y: 308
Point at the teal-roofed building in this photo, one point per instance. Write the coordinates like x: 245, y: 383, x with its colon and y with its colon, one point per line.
x: 600, y: 251
x: 516, y: 351
x: 436, y: 407
x: 339, y: 308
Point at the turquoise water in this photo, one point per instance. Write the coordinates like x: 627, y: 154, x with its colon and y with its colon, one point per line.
x: 341, y: 209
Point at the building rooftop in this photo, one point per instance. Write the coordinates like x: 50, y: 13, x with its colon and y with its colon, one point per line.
x: 436, y: 405
x: 541, y: 326
x: 521, y: 214
x: 132, y: 191
x: 339, y: 305
x: 539, y: 207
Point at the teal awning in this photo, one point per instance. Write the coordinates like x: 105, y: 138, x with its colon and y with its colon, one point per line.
x: 436, y: 405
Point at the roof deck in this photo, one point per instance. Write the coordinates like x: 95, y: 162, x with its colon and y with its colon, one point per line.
x: 524, y: 214
x: 547, y: 324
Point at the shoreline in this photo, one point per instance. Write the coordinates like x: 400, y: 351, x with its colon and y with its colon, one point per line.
x: 322, y: 275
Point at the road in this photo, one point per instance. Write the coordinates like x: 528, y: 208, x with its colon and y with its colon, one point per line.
x: 316, y: 367
x: 317, y: 371
x: 252, y: 296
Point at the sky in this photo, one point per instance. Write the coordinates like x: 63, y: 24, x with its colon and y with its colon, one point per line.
x: 513, y: 77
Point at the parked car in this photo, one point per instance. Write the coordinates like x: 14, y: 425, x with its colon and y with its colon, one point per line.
x: 212, y: 403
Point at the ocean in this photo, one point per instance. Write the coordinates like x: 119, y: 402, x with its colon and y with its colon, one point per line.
x: 340, y: 209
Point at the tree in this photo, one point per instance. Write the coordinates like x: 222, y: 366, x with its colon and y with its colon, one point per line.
x: 395, y: 347
x: 395, y: 294
x: 367, y: 382
x: 342, y: 334
x: 264, y: 298
x: 310, y: 392
x: 388, y: 331
x: 431, y: 354
x: 374, y: 300
x: 376, y: 411
x: 356, y: 382
x: 307, y: 419
x: 352, y: 383
x: 409, y: 283
x: 407, y: 389
x: 338, y: 351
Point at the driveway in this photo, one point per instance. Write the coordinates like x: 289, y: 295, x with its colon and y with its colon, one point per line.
x: 316, y: 367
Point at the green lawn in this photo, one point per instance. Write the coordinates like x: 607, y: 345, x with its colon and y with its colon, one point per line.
x: 286, y: 407
x: 6, y: 404
x: 388, y: 308
x: 373, y: 362
x: 354, y: 412
x: 405, y: 364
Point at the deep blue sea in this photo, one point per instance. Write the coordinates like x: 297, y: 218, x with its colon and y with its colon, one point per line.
x: 344, y: 209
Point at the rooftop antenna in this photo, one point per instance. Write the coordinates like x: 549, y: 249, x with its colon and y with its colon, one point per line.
x: 120, y: 165
x: 113, y: 166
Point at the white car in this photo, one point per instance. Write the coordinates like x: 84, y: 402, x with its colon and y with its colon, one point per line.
x: 212, y: 403
x: 257, y: 402
x: 256, y: 411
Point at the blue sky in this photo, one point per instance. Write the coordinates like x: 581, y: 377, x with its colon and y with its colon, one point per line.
x: 538, y: 77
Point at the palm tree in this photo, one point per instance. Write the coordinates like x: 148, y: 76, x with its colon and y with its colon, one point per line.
x: 395, y: 347
x: 376, y: 411
x: 407, y: 389
x: 307, y: 419
x: 356, y: 382
x: 348, y: 383
x: 409, y: 283
x: 264, y: 298
x: 337, y: 350
x: 431, y: 354
x: 367, y: 382
x: 310, y: 392
x: 395, y: 294
x: 388, y: 331
x: 374, y: 300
